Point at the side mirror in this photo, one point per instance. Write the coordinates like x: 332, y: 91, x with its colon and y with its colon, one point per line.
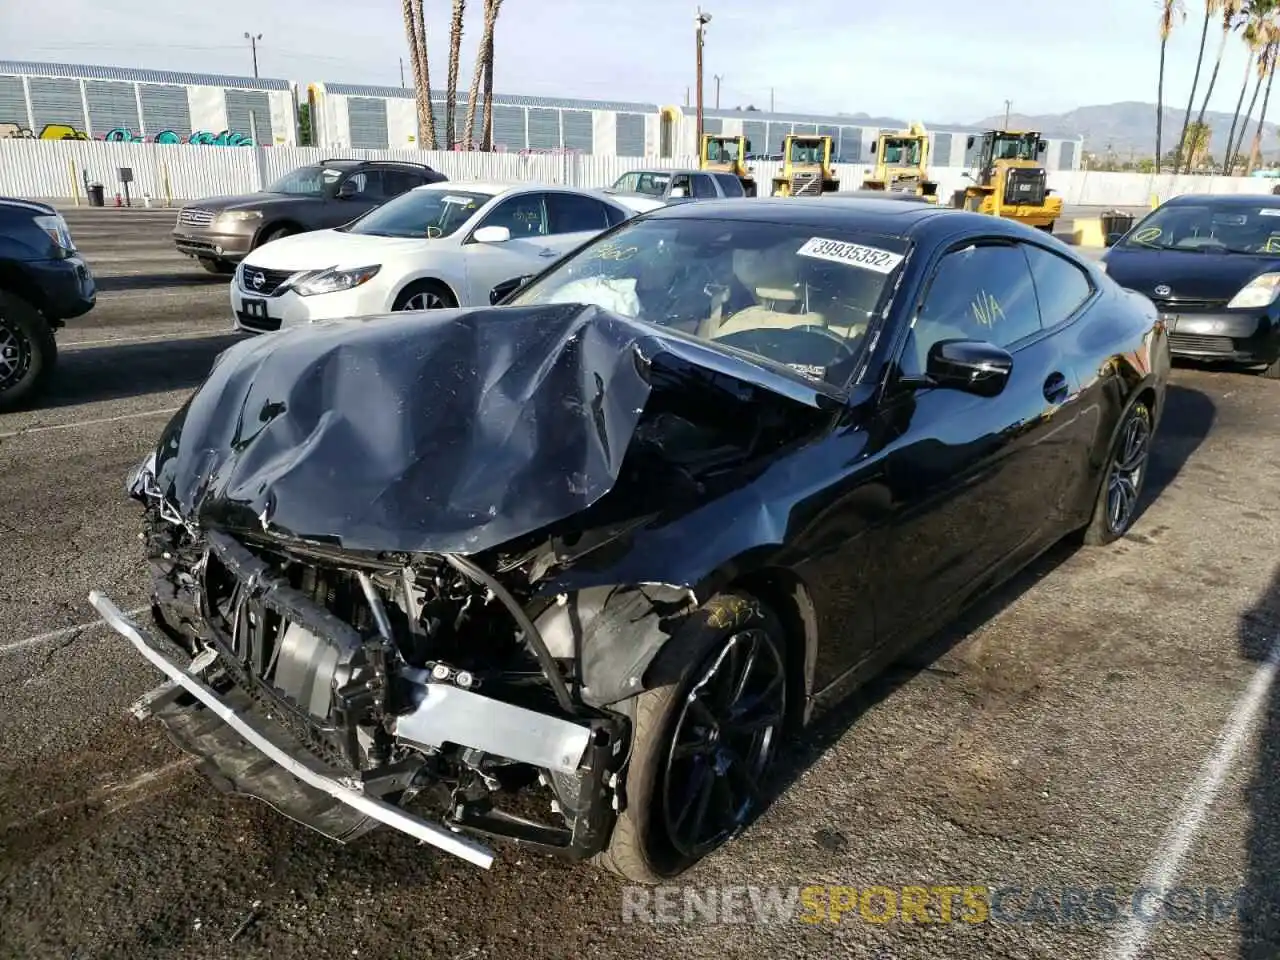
x: 492, y: 235
x: 347, y: 190
x: 1042, y: 146
x: 677, y: 193
x: 973, y: 366
x: 747, y: 147
x: 969, y: 143
x: 508, y: 287
x: 873, y: 147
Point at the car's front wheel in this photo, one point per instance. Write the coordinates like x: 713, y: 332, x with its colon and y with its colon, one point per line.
x: 221, y: 267
x: 1126, y: 473
x: 28, y: 350
x: 425, y: 295
x: 704, y: 745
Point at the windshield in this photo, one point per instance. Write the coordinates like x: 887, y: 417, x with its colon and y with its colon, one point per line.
x: 902, y: 152
x: 1015, y: 148
x: 722, y: 151
x: 306, y: 181
x: 794, y: 295
x: 1211, y: 227
x: 806, y: 151
x: 651, y: 184
x: 426, y: 214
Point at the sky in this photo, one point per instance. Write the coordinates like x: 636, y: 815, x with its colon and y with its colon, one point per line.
x: 815, y: 56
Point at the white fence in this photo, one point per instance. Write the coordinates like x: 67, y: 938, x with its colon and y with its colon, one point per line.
x: 171, y: 173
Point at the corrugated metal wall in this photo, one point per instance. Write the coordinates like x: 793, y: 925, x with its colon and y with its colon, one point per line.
x: 368, y: 118
x: 240, y: 103
x: 112, y: 104
x: 55, y: 101
x: 13, y: 102
x: 629, y: 135
x: 165, y: 107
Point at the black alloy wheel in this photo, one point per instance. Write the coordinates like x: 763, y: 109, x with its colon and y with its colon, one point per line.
x: 15, y: 354
x: 723, y: 742
x: 1128, y: 470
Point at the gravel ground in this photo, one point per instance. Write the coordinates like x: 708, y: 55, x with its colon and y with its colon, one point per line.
x: 1047, y: 741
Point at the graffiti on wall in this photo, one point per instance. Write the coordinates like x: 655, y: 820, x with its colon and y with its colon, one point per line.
x: 63, y: 131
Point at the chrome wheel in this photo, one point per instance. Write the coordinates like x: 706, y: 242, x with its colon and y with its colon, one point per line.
x: 426, y: 300
x: 723, y: 742
x: 15, y: 355
x: 1128, y: 470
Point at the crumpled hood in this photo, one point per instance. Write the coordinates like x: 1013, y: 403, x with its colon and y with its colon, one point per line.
x: 441, y: 431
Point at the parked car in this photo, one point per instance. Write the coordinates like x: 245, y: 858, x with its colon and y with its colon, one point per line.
x: 1211, y: 265
x: 220, y: 231
x: 443, y: 245
x: 43, y: 283
x: 609, y: 540
x: 667, y: 186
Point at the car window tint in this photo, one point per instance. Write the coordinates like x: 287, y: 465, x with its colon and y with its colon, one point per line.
x: 977, y: 293
x: 368, y: 184
x: 730, y: 184
x: 1061, y: 286
x: 681, y: 182
x: 396, y: 182
x: 615, y: 214
x: 523, y: 215
x: 703, y: 187
x: 573, y: 213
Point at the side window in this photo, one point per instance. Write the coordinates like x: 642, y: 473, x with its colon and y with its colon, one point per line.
x: 703, y: 188
x: 980, y: 292
x: 730, y: 184
x: 396, y: 182
x: 681, y: 182
x: 523, y: 215
x: 615, y: 214
x: 572, y: 213
x: 1061, y: 286
x: 368, y: 184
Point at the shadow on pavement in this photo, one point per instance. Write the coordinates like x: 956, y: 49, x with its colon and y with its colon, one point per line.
x: 1189, y: 414
x: 1260, y: 918
x: 137, y: 369
x: 150, y: 281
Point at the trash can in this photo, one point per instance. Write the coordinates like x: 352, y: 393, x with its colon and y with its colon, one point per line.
x: 1116, y: 223
x: 96, y: 197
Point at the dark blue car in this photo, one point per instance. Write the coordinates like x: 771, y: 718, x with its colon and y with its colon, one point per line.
x: 1211, y: 265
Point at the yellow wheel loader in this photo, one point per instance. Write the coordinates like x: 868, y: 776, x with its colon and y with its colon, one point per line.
x: 902, y: 163
x: 806, y: 167
x: 728, y: 155
x: 1010, y: 181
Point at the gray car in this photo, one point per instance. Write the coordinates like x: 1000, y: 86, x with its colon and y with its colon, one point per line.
x: 221, y: 231
x: 672, y: 186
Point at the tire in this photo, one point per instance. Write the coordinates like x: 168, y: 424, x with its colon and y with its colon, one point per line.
x: 223, y: 267
x: 276, y: 233
x: 28, y: 351
x: 1272, y: 372
x: 1103, y: 528
x: 431, y: 294
x: 641, y: 848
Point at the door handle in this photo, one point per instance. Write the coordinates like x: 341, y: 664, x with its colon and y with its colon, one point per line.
x: 1055, y: 388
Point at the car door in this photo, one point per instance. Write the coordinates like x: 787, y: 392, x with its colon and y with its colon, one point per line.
x: 968, y: 477
x: 529, y: 250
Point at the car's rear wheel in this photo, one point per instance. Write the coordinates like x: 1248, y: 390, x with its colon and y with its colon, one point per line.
x: 223, y: 267
x: 1126, y: 473
x: 425, y: 295
x: 703, y: 746
x: 28, y: 350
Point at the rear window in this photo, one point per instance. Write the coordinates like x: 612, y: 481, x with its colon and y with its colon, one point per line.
x: 1209, y: 226
x: 730, y: 184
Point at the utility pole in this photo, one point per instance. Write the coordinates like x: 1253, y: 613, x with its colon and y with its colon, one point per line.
x: 718, y: 78
x: 1007, y: 105
x: 253, y: 44
x: 701, y: 20
x: 771, y: 99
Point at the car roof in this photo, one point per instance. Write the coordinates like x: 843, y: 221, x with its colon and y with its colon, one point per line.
x: 872, y: 215
x: 502, y: 189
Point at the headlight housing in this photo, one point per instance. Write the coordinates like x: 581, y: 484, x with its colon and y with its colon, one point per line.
x: 58, y: 232
x: 1259, y: 292
x: 333, y: 280
x: 240, y: 216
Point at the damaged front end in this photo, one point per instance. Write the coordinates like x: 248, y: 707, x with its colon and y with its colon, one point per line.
x: 354, y: 535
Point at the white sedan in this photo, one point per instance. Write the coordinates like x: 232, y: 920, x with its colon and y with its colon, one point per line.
x: 437, y: 246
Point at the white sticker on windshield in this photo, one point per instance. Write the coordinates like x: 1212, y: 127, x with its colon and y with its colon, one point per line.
x: 854, y: 254
x: 465, y: 201
x: 1269, y: 212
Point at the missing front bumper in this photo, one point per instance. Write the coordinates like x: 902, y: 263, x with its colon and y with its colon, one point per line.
x: 305, y: 790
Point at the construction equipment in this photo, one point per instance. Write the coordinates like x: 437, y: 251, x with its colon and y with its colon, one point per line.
x: 1010, y: 181
x: 806, y: 167
x: 728, y: 155
x: 902, y: 163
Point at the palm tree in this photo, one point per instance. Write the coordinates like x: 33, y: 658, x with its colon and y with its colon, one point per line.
x: 451, y: 96
x: 1259, y: 61
x: 1253, y: 31
x: 1267, y: 65
x: 483, y: 54
x: 415, y: 28
x: 1211, y: 8
x: 1168, y: 10
x: 1230, y: 20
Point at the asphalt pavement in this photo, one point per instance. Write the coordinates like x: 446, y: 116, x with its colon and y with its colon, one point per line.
x: 1106, y: 721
